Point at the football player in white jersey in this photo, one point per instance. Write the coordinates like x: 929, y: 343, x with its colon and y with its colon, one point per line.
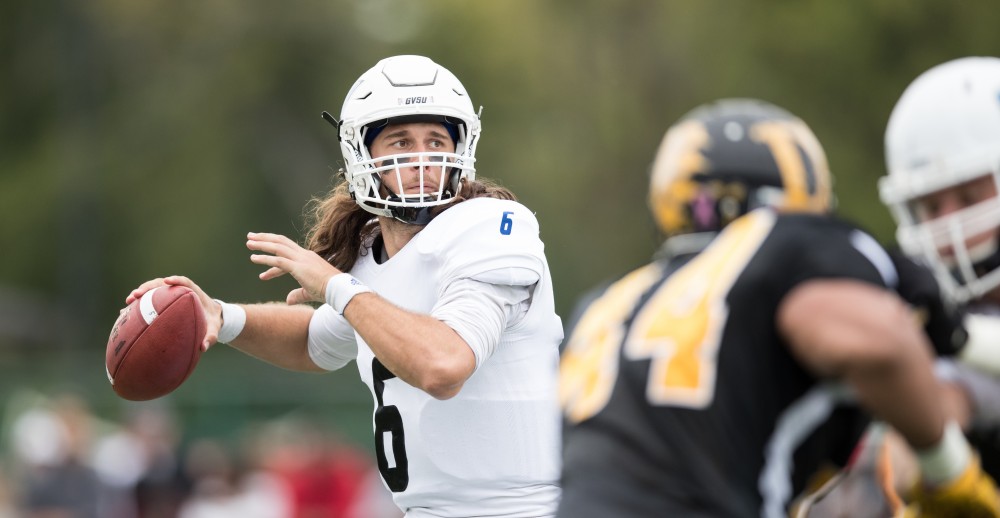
x: 437, y: 285
x: 942, y: 150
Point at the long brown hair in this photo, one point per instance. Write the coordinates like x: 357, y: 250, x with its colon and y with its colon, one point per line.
x: 339, y: 228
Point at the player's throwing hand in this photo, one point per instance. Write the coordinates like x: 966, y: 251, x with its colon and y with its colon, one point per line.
x: 311, y: 271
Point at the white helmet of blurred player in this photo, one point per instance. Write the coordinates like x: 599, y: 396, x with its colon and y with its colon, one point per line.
x: 945, y: 132
x: 404, y: 89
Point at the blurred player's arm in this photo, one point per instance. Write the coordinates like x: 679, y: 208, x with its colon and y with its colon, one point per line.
x: 868, y: 337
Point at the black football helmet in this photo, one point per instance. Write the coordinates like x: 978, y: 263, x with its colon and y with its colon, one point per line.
x: 730, y: 156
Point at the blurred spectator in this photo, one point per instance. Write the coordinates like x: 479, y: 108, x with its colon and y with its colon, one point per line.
x: 50, y: 443
x: 139, y: 466
x: 221, y: 490
x: 7, y: 509
x: 373, y: 499
x: 324, y: 478
x: 70, y: 464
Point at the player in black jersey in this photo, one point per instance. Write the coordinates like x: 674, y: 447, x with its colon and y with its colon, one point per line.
x: 715, y: 380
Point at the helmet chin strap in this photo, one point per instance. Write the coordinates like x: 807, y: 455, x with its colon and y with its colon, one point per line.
x: 985, y: 257
x: 412, y: 215
x: 415, y: 215
x: 983, y: 251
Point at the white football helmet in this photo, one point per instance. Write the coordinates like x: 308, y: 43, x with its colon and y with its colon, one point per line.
x: 943, y: 132
x: 404, y: 89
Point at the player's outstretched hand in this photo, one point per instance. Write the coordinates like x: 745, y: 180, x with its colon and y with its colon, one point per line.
x: 213, y: 311
x: 285, y: 256
x: 972, y: 494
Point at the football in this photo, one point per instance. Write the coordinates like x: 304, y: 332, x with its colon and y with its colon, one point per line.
x: 156, y: 343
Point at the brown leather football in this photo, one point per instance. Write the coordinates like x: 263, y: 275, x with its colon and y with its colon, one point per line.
x: 156, y: 343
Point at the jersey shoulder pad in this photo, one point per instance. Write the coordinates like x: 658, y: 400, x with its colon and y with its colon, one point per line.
x: 487, y: 239
x: 827, y: 246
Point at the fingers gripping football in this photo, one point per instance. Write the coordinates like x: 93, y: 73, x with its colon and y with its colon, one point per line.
x: 283, y: 256
x: 212, y: 310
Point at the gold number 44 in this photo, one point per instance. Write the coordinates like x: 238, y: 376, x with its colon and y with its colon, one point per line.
x: 678, y: 328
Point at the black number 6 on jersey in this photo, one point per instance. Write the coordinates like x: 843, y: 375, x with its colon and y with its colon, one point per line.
x: 388, y: 420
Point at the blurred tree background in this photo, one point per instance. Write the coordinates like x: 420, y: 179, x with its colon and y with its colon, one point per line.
x: 142, y: 139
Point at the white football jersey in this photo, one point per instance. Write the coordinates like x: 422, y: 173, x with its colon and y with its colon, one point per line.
x: 493, y: 449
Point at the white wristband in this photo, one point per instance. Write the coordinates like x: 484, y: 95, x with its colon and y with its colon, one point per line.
x: 341, y: 288
x: 945, y: 461
x: 982, y: 351
x: 234, y: 317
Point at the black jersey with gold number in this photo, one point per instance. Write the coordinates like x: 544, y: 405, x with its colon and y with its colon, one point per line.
x: 680, y: 396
